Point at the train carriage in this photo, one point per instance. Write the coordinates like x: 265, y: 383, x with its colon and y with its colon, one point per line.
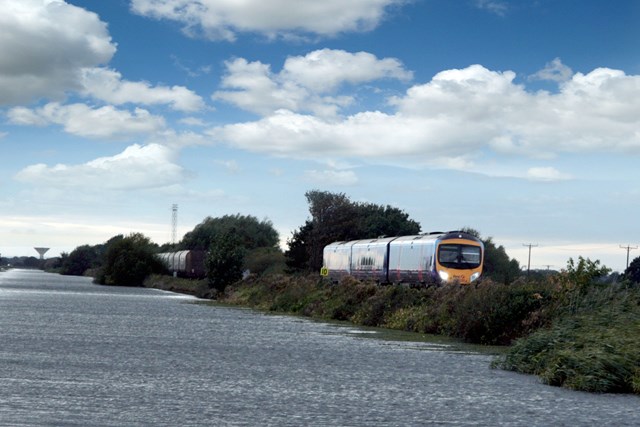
x: 338, y: 256
x: 411, y: 259
x: 422, y: 259
x: 369, y: 259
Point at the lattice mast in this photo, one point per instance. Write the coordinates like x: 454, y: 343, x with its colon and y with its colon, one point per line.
x: 174, y: 224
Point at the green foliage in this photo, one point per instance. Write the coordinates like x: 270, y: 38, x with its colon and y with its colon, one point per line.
x: 250, y: 232
x: 79, y: 260
x: 490, y: 314
x: 632, y: 273
x: 128, y: 261
x: 297, y: 256
x: 198, y: 288
x: 225, y: 260
x: 497, y: 264
x: 334, y: 217
x: 262, y: 261
x: 584, y: 273
x: 594, y: 349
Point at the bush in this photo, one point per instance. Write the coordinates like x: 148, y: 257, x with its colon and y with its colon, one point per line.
x: 128, y: 261
x: 225, y: 260
x: 592, y: 344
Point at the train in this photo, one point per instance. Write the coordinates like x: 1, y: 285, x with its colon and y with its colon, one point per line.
x: 189, y: 263
x: 425, y: 259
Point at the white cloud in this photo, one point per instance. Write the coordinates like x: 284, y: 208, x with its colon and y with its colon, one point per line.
x: 332, y: 177
x: 546, y: 174
x: 137, y: 167
x: 192, y: 121
x: 231, y: 166
x: 326, y: 69
x: 223, y: 19
x: 45, y: 44
x: 498, y: 7
x: 306, y: 83
x: 82, y: 120
x: 107, y: 85
x: 457, y: 117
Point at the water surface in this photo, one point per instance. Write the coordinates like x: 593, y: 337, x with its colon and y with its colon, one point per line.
x: 77, y: 354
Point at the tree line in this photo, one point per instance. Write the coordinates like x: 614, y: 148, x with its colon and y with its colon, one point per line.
x: 239, y: 243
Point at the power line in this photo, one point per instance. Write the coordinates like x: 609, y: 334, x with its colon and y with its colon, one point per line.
x: 628, y: 248
x: 529, y: 245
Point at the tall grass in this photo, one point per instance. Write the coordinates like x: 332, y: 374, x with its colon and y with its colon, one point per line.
x: 593, y: 343
x: 487, y: 314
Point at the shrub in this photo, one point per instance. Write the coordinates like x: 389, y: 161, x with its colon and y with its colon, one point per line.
x: 128, y: 261
x: 225, y: 260
x: 592, y: 346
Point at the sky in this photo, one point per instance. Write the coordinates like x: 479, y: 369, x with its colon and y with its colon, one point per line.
x: 520, y: 119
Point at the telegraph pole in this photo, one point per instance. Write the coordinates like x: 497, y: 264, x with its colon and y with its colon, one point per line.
x: 628, y: 248
x: 529, y: 245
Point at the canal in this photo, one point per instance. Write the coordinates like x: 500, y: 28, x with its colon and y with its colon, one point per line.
x: 77, y: 354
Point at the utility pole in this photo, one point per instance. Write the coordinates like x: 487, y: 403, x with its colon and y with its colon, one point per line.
x: 529, y: 245
x: 628, y: 248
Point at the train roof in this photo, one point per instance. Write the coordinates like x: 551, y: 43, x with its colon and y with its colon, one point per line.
x: 426, y: 237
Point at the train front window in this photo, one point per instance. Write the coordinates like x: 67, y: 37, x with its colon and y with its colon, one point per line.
x: 459, y: 256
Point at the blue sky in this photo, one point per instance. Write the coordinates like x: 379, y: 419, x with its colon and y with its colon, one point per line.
x: 520, y: 119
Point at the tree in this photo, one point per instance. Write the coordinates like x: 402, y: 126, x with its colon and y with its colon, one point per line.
x: 128, y: 261
x: 632, y: 273
x: 225, y: 260
x: 334, y: 217
x: 497, y: 264
x: 583, y: 274
x: 79, y: 260
x: 251, y: 232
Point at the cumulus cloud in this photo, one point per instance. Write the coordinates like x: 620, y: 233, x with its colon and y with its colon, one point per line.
x: 83, y: 120
x: 305, y: 83
x: 45, y: 44
x: 459, y: 116
x: 223, y: 19
x: 108, y: 86
x: 137, y: 167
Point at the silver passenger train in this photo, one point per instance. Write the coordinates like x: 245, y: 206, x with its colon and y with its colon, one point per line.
x: 437, y: 257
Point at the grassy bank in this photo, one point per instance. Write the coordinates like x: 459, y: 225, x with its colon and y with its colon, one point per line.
x: 593, y: 343
x: 197, y: 288
x: 488, y: 314
x: 582, y: 337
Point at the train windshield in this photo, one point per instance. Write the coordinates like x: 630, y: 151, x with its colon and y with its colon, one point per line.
x: 459, y: 256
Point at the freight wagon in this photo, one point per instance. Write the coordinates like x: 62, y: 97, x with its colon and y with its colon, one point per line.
x: 185, y: 263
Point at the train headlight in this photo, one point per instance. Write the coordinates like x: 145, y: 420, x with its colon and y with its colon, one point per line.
x: 474, y: 276
x: 443, y: 275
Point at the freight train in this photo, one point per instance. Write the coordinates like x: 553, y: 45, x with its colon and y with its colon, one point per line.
x: 185, y: 263
x: 430, y: 258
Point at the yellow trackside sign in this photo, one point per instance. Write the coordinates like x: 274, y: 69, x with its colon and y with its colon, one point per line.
x: 324, y: 271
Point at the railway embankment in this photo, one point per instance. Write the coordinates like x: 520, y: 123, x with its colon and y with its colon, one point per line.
x: 583, y: 336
